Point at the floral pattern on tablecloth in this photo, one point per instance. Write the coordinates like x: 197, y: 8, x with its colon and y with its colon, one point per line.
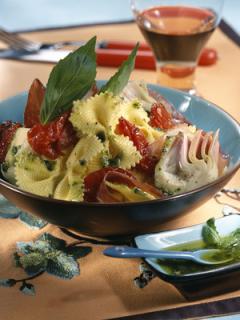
x: 46, y: 253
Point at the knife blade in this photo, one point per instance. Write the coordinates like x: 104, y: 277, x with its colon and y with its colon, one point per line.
x: 105, y: 57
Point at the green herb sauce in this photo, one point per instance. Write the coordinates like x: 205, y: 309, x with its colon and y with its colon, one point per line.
x: 177, y: 267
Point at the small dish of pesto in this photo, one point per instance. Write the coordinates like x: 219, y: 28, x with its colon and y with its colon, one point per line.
x: 193, y: 280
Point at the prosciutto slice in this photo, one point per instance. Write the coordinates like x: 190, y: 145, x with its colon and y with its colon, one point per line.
x: 106, y: 194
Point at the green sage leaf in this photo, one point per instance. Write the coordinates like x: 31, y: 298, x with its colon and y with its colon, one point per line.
x: 120, y: 79
x: 69, y: 80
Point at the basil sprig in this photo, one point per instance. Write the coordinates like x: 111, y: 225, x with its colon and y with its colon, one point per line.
x: 210, y: 234
x: 229, y: 244
x: 120, y: 79
x: 69, y: 80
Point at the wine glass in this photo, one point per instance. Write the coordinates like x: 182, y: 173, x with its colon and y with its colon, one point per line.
x: 177, y: 32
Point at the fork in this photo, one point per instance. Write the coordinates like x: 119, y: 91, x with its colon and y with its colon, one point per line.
x: 18, y: 43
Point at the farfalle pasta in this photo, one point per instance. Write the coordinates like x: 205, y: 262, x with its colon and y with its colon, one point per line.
x: 96, y: 115
x: 37, y: 175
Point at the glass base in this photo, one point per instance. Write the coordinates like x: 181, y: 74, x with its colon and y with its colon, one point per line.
x: 177, y: 76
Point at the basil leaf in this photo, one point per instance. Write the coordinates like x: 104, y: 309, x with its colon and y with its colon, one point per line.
x: 232, y: 241
x: 209, y: 233
x: 69, y: 80
x: 119, y: 80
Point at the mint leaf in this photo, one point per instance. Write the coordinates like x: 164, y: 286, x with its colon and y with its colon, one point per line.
x: 69, y: 80
x: 117, y: 82
x: 210, y: 234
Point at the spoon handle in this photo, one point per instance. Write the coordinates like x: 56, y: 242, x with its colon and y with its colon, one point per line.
x: 129, y: 252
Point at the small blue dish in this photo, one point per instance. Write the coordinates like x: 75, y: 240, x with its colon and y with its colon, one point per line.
x: 213, y: 281
x: 121, y: 221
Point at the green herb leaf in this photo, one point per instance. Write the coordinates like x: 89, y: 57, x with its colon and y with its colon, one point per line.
x: 210, y: 234
x: 69, y: 80
x: 117, y: 82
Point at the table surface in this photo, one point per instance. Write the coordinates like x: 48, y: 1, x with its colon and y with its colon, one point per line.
x: 105, y: 288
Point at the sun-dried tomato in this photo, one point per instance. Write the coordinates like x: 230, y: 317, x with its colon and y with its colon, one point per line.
x: 34, y: 102
x: 147, y: 163
x: 7, y: 132
x: 133, y: 133
x: 52, y: 139
x: 160, y: 117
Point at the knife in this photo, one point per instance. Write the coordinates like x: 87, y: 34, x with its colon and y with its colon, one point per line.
x: 105, y: 57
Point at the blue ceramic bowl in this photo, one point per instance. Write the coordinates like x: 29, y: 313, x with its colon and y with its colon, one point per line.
x: 220, y: 279
x: 122, y: 220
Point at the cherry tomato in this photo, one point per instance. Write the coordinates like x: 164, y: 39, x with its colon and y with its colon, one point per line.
x: 208, y: 57
x: 51, y: 139
x: 160, y: 117
x: 147, y: 163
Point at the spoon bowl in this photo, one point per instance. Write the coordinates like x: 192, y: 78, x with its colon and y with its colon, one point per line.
x: 203, y: 256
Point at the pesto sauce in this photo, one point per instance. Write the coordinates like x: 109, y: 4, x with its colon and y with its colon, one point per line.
x: 177, y: 267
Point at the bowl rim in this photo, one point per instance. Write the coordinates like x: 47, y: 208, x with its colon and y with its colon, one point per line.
x: 191, y: 276
x: 227, y: 175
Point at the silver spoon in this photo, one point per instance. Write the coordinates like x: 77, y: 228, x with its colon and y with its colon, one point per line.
x: 204, y: 256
